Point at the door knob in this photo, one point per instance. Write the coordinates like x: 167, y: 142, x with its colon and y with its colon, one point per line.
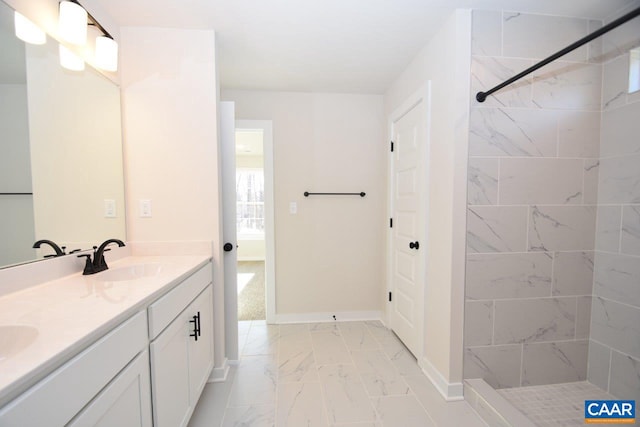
x: 228, y: 247
x: 414, y: 245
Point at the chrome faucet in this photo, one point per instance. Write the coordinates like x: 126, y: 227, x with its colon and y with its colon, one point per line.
x: 98, y: 264
x: 59, y: 250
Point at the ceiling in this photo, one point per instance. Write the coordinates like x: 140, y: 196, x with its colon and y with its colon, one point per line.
x: 353, y: 46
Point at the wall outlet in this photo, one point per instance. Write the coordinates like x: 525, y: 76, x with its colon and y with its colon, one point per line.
x: 145, y: 208
x: 109, y: 208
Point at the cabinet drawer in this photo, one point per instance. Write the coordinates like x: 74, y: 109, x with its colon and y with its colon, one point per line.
x: 167, y: 308
x: 59, y: 397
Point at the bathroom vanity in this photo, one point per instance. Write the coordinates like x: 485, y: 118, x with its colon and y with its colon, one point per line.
x: 130, y: 346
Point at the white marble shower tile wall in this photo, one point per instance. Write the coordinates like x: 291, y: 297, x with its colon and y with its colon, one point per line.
x: 614, y: 347
x: 532, y: 194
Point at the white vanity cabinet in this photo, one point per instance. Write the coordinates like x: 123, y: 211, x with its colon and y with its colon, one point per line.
x: 92, y: 377
x: 181, y: 349
x: 147, y: 370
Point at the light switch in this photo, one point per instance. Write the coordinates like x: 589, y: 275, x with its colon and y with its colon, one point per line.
x: 145, y: 208
x: 293, y: 208
x: 109, y: 208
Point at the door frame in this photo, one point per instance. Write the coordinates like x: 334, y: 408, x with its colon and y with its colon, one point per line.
x: 269, y: 211
x: 421, y: 95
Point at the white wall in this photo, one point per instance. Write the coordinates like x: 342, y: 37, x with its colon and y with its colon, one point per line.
x: 169, y: 100
x: 329, y: 256
x: 251, y: 249
x: 252, y: 162
x: 169, y: 110
x: 445, y: 62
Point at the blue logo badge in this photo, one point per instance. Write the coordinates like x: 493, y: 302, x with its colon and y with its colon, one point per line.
x: 609, y: 411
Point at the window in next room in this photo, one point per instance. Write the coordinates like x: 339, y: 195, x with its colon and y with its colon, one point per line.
x: 634, y: 70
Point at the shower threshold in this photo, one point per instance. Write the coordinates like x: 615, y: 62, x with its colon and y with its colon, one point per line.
x: 542, y: 405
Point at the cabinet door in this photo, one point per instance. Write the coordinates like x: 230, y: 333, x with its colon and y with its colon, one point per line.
x: 170, y: 374
x: 125, y: 402
x: 201, y: 351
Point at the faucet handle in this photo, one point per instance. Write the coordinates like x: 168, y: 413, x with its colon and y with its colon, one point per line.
x: 88, y: 265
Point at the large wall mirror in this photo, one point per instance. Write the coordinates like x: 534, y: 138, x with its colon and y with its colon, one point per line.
x: 61, y: 172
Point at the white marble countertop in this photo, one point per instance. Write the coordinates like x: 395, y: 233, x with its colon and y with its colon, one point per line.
x: 70, y: 313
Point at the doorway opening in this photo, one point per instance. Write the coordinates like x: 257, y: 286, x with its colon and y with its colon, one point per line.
x: 255, y: 227
x: 250, y: 224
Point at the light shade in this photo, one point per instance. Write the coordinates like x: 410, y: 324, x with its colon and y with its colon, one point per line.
x: 70, y: 60
x: 27, y: 31
x: 106, y: 53
x: 72, y: 23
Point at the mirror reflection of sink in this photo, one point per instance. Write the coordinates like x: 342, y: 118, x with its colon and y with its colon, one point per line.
x: 129, y: 272
x: 14, y: 338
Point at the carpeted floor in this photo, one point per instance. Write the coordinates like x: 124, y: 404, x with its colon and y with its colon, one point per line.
x: 251, y: 297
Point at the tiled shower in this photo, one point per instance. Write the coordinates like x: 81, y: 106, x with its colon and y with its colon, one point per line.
x: 553, y: 220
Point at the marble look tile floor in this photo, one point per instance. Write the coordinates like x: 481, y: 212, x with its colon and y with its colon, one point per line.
x: 326, y: 374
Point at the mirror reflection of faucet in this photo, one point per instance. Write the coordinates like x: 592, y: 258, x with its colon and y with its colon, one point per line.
x: 98, y: 264
x: 59, y: 250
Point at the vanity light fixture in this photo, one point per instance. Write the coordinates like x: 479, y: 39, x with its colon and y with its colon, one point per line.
x: 70, y: 60
x: 72, y: 27
x: 27, y: 31
x: 72, y: 23
x: 106, y: 53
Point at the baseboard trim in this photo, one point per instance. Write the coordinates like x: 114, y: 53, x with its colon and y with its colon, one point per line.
x: 219, y: 375
x: 327, y: 317
x: 450, y: 391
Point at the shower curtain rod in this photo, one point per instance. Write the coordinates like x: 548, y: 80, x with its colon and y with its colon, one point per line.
x: 481, y: 96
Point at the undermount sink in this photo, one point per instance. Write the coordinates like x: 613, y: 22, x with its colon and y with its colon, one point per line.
x: 14, y: 338
x: 129, y: 272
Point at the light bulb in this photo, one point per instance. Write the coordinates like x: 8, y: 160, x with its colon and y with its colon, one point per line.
x: 27, y: 31
x: 70, y: 60
x: 106, y: 53
x: 72, y: 23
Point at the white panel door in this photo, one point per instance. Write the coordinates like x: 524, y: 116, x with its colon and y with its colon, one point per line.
x: 228, y: 157
x: 409, y: 214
